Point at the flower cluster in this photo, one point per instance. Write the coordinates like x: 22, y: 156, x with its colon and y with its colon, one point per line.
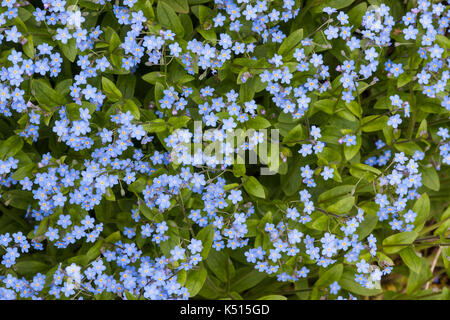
x: 111, y: 113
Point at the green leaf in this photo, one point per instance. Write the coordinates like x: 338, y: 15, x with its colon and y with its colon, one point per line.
x: 206, y: 235
x: 45, y: 94
x: 194, y: 2
x: 443, y: 41
x: 209, y: 35
x: 294, y: 136
x: 24, y: 171
x: 148, y: 213
x: 417, y: 279
x: 423, y: 127
x: 218, y: 262
x: 20, y: 25
x: 329, y: 155
x: 30, y: 267
x: 373, y: 123
x: 130, y: 296
x: 73, y: 109
x: 397, y: 242
x: 113, y: 38
x: 41, y: 230
x: 408, y: 147
x: 10, y: 147
x: 337, y: 4
x: 246, y: 278
x: 430, y: 178
x: 69, y: 49
x: 180, y: 6
x: 404, y: 79
x: 94, y: 251
x: 110, y: 89
x: 273, y: 297
x: 329, y: 276
x: 253, y: 187
x: 17, y: 198
x: 335, y: 193
x: 422, y: 209
x: 365, y: 167
x: 159, y: 93
x: 445, y: 255
x: 63, y: 87
x: 138, y: 185
x: 258, y: 123
x: 153, y: 77
x: 325, y: 105
x: 114, y: 42
x: 156, y: 125
x: 195, y: 280
x: 382, y: 258
x: 348, y: 283
x: 247, y: 90
x: 354, y: 108
x: 126, y: 84
x: 351, y: 151
x: 319, y: 221
x: 411, y: 259
x: 342, y: 206
x: 239, y: 169
x: 356, y: 14
x: 178, y: 122
x: 113, y: 237
x: 367, y: 225
x: 129, y: 105
x: 202, y: 13
x: 24, y: 14
x: 28, y: 47
x: 288, y: 45
x: 445, y: 226
x: 168, y: 18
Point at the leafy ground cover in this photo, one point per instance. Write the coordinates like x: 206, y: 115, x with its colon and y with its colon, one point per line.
x: 235, y: 149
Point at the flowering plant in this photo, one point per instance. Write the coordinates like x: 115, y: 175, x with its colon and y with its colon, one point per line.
x: 173, y: 149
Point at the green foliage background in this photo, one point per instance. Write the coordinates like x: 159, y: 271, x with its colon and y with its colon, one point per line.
x: 419, y: 257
